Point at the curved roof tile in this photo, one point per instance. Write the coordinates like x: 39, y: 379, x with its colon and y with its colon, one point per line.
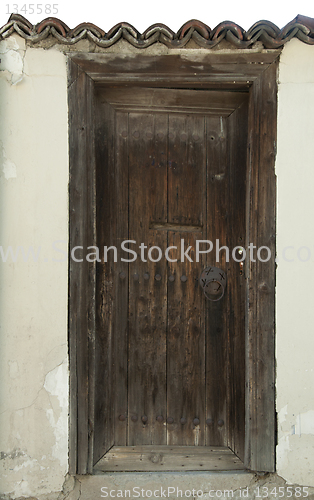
x: 263, y: 31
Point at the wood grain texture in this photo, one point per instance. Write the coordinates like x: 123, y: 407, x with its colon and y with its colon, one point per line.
x: 81, y: 274
x: 260, y: 354
x: 217, y: 312
x: 236, y: 70
x: 105, y: 283
x: 169, y: 458
x: 121, y: 293
x: 222, y: 72
x: 186, y: 332
x: 237, y: 152
x: 173, y: 100
x: 147, y: 295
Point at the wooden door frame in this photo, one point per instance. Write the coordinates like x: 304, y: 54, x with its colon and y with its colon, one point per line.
x: 238, y: 70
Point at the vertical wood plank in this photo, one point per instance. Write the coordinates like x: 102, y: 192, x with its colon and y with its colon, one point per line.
x: 147, y: 280
x: 217, y: 312
x: 121, y: 294
x: 186, y: 332
x: 105, y: 282
x: 237, y: 145
x: 260, y: 394
x: 73, y: 430
x: 255, y: 104
x: 81, y: 274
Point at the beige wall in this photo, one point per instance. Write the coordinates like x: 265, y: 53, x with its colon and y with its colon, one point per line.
x: 33, y: 296
x: 295, y: 292
x: 33, y: 305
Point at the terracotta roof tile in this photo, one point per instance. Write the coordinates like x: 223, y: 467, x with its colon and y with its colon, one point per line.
x: 263, y: 31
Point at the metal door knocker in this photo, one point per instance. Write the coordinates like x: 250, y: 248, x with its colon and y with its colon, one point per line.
x: 213, y: 282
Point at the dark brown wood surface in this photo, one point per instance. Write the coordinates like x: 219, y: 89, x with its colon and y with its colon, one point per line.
x: 170, y: 100
x: 169, y: 458
x: 237, y: 152
x: 234, y: 70
x: 237, y: 71
x: 121, y: 278
x: 105, y: 283
x: 217, y: 312
x: 186, y: 333
x: 81, y: 274
x: 260, y: 354
x: 147, y: 280
x: 158, y: 331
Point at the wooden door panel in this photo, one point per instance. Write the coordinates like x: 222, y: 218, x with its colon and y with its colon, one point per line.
x: 186, y: 170
x: 147, y: 280
x: 237, y: 132
x: 119, y: 173
x: 186, y: 333
x: 167, y: 183
x: 217, y: 312
x: 105, y: 287
x: 185, y: 349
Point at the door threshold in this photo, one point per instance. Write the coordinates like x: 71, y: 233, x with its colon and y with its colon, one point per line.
x: 151, y: 458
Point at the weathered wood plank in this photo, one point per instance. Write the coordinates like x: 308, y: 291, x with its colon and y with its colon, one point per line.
x: 147, y: 280
x: 186, y: 332
x: 174, y: 100
x: 175, y: 109
x: 175, y: 450
x: 90, y: 236
x: 217, y: 312
x: 121, y: 291
x: 105, y: 282
x: 260, y: 373
x: 237, y: 145
x: 169, y: 458
x: 201, y: 82
x: 73, y: 445
x: 266, y: 273
x: 73, y: 71
x: 81, y: 274
x: 238, y: 67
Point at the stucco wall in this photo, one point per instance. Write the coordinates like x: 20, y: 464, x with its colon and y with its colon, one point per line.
x: 295, y: 293
x: 33, y: 305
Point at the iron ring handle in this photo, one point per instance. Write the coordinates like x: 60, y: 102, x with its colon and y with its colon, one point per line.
x: 213, y: 274
x: 221, y: 296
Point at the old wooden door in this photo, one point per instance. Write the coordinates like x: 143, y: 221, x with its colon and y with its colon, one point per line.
x: 170, y: 174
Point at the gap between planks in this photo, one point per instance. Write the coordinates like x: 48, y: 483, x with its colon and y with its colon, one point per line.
x: 168, y: 458
x: 181, y: 228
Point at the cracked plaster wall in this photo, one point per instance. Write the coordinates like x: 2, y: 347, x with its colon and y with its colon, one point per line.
x: 33, y: 295
x: 294, y: 281
x: 33, y: 305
